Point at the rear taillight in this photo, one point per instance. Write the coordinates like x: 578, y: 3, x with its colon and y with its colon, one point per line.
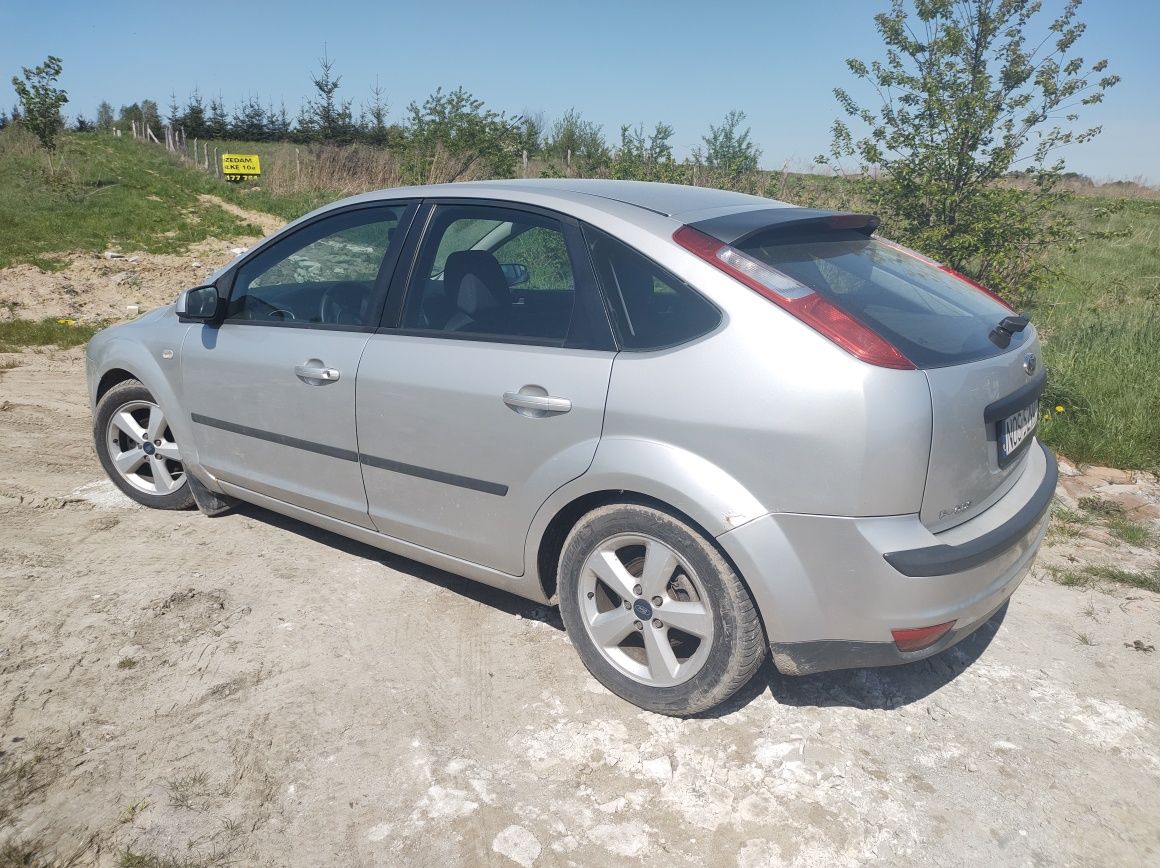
x: 808, y: 306
x: 917, y: 638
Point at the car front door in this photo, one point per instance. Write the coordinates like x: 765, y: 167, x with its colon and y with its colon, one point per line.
x: 487, y: 392
x: 271, y: 388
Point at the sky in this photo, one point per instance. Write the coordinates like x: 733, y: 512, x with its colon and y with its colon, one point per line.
x: 684, y: 63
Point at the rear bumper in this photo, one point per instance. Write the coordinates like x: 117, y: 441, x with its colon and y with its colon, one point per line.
x: 830, y: 591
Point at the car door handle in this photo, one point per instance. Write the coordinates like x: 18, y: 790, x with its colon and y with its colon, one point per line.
x: 310, y: 372
x: 540, y: 404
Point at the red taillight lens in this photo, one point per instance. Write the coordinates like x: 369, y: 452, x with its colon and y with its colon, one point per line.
x: 917, y: 638
x: 808, y: 306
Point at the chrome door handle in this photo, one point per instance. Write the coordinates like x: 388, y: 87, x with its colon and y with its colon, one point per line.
x: 540, y: 404
x: 309, y: 372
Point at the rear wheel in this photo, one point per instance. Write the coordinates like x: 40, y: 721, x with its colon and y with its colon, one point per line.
x: 656, y: 613
x: 137, y: 448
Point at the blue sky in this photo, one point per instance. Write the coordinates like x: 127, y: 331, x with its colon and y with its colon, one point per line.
x: 681, y: 62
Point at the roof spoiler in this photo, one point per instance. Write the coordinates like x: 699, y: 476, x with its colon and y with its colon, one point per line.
x: 739, y: 227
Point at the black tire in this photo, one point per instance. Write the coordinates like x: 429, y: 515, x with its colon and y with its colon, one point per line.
x: 738, y: 643
x: 125, y: 394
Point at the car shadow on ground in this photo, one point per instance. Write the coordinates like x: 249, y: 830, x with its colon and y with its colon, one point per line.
x: 881, y: 688
x: 504, y: 601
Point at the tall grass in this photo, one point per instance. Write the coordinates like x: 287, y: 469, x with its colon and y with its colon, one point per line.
x: 1101, y: 327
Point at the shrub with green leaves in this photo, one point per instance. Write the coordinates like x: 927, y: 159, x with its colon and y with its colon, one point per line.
x: 969, y: 92
x: 42, y: 100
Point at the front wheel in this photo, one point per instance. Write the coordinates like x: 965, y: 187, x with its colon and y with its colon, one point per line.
x: 655, y: 611
x: 137, y: 449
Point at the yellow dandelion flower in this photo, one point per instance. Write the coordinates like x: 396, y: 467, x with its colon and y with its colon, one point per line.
x: 1059, y: 408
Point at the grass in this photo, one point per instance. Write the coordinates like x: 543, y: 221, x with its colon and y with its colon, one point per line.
x: 17, y: 334
x: 1100, y: 506
x: 1129, y: 531
x: 1100, y: 323
x: 1082, y: 577
x: 103, y: 192
x: 189, y: 791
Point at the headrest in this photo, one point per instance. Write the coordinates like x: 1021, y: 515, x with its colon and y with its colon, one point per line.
x: 476, y: 282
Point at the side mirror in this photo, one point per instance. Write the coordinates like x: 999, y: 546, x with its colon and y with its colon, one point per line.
x: 516, y: 273
x: 200, y: 304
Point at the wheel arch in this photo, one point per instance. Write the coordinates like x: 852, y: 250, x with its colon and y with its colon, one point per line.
x: 109, y: 379
x: 120, y: 360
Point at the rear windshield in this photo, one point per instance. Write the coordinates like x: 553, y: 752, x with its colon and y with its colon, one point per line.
x: 932, y: 317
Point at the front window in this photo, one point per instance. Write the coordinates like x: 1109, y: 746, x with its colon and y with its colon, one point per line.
x: 327, y: 273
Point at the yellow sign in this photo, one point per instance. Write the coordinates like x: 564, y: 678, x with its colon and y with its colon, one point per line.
x: 238, y: 166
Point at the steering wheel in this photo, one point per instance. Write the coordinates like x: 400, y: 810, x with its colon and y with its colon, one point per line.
x: 331, y: 309
x: 281, y: 314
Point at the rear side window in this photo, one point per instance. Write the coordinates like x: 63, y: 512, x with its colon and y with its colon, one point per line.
x: 932, y: 317
x: 492, y: 272
x: 651, y: 309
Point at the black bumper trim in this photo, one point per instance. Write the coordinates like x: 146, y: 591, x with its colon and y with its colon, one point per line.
x: 828, y: 655
x: 944, y: 560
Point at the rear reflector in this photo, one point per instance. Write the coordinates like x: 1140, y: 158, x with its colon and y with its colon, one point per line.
x: 802, y: 302
x: 917, y: 638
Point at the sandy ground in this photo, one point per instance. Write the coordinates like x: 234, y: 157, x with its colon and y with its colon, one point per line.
x: 249, y: 691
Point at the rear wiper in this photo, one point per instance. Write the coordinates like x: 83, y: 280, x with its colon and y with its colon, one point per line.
x: 1002, y: 333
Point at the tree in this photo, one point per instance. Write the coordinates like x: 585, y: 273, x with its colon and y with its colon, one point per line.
x: 642, y: 157
x: 375, y: 117
x: 728, y: 150
x: 84, y: 125
x: 456, y: 132
x: 249, y: 121
x: 277, y: 123
x: 42, y: 100
x: 129, y: 115
x: 193, y: 119
x: 104, y: 117
x: 217, y: 125
x: 150, y: 117
x: 327, y: 118
x: 970, y: 89
x: 582, y: 138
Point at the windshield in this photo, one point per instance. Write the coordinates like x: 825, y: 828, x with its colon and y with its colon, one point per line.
x: 932, y: 317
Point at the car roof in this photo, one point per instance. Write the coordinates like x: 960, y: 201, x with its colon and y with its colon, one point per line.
x: 678, y: 201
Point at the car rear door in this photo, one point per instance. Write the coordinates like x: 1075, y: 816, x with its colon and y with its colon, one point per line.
x: 271, y: 388
x: 486, y: 391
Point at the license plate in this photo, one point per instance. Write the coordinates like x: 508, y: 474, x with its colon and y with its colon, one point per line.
x: 1014, y: 431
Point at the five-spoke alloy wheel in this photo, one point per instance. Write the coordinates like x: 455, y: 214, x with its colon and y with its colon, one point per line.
x: 655, y: 612
x: 137, y: 448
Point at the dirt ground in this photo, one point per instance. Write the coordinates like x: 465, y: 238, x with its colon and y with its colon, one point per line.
x: 247, y: 690
x: 101, y: 285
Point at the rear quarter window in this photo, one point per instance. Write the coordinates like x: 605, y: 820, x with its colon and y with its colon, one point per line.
x: 651, y: 308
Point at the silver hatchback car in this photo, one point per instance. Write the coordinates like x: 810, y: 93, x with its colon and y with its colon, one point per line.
x: 706, y: 424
